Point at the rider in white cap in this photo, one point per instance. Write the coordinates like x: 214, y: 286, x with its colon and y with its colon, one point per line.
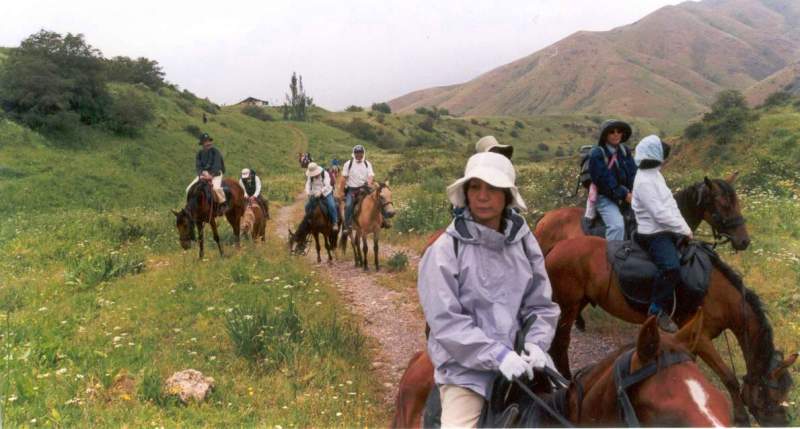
x: 319, y: 188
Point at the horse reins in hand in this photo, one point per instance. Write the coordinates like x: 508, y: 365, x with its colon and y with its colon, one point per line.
x: 539, y: 401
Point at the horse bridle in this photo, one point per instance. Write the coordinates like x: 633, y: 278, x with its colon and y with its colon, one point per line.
x: 624, y: 379
x: 762, y: 381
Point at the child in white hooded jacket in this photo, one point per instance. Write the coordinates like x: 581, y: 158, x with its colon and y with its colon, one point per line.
x: 660, y: 225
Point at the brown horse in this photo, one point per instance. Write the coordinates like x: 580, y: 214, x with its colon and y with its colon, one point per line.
x: 714, y: 201
x: 676, y: 393
x: 254, y: 222
x: 315, y: 223
x: 580, y: 274
x: 201, y: 209
x: 367, y: 221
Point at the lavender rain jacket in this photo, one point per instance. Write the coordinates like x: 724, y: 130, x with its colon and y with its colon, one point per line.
x: 476, y: 302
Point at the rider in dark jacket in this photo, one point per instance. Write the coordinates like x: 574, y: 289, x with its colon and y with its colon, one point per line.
x: 613, y: 170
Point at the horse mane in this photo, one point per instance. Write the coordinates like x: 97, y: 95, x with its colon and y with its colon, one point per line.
x: 764, y: 347
x: 197, y: 190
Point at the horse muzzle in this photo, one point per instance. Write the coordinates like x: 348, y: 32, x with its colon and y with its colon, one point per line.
x: 186, y: 244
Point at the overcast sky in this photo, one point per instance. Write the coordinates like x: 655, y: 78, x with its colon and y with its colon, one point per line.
x: 348, y: 52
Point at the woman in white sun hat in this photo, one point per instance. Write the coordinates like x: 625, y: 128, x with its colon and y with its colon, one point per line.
x: 319, y: 188
x: 478, y: 282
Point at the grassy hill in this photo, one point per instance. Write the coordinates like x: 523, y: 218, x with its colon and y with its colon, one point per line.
x: 666, y: 66
x: 98, y: 305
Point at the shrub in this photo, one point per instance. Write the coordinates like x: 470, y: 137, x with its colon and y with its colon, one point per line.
x: 427, y: 124
x: 779, y: 98
x: 397, y: 262
x: 425, y: 213
x: 87, y: 271
x: 257, y: 112
x: 474, y: 121
x: 694, y: 131
x: 559, y: 152
x: 519, y: 124
x: 514, y: 133
x: 729, y: 116
x: 381, y: 118
x: 382, y: 107
x: 246, y: 329
x: 129, y: 112
x: 193, y: 130
x: 543, y: 147
x: 421, y: 139
x: 354, y: 108
x: 464, y: 131
x: 185, y: 105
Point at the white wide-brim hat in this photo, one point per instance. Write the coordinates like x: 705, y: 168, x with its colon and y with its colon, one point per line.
x: 492, y: 168
x: 313, y: 169
x: 487, y: 143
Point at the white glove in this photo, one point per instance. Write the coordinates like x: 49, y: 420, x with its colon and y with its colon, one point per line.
x: 513, y: 366
x: 534, y: 356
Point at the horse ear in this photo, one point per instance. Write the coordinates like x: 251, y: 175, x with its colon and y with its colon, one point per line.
x: 175, y: 212
x: 732, y: 178
x: 789, y: 361
x: 708, y: 183
x: 690, y: 333
x: 649, y: 341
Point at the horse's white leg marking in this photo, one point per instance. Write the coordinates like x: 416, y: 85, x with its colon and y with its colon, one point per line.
x: 700, y: 398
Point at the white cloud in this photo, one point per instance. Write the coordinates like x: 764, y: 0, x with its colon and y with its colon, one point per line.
x: 349, y: 52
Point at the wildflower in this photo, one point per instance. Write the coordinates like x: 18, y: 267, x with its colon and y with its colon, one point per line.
x: 42, y: 309
x: 339, y: 414
x: 210, y: 309
x: 61, y: 371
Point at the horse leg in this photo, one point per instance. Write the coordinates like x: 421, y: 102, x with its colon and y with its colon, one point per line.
x: 375, y: 250
x: 366, y: 252
x: 235, y: 221
x: 329, y: 240
x: 316, y: 241
x: 705, y: 349
x: 356, y: 250
x: 200, y: 239
x: 559, y: 349
x: 216, y: 235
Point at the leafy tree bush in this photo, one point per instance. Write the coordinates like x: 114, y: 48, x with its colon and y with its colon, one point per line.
x: 462, y: 130
x: 559, y: 152
x: 427, y: 124
x: 297, y: 102
x: 140, y: 70
x: 129, y: 112
x: 354, y: 108
x: 543, y: 147
x: 257, y: 112
x: 519, y: 124
x: 779, y: 98
x: 729, y: 116
x: 193, y: 130
x: 694, y: 131
x: 51, y: 80
x: 381, y: 107
x: 514, y: 133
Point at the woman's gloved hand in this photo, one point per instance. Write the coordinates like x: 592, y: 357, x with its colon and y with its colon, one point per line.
x: 514, y: 366
x: 534, y: 356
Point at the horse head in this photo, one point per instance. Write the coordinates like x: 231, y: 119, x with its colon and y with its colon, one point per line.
x: 297, y: 242
x: 722, y: 211
x: 248, y: 220
x: 185, y: 225
x: 385, y: 197
x: 767, y: 396
x: 677, y: 393
x: 656, y: 383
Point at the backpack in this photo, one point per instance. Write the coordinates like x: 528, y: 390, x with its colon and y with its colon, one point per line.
x: 585, y: 177
x: 350, y: 164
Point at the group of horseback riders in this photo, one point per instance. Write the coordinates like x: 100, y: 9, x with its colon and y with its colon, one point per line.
x: 485, y: 277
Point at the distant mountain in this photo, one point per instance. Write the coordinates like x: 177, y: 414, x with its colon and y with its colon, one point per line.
x: 669, y: 64
x: 786, y: 79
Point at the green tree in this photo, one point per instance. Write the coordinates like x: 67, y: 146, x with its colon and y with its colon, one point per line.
x: 129, y: 112
x: 141, y: 70
x: 381, y: 107
x: 52, y: 81
x: 297, y: 101
x: 728, y: 117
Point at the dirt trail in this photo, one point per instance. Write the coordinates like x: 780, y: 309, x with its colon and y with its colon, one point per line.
x: 394, y: 319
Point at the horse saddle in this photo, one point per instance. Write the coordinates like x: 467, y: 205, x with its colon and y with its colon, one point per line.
x: 636, y: 272
x: 358, y: 197
x: 317, y: 201
x: 597, y: 227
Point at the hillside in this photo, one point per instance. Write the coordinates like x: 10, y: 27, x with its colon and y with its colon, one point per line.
x: 668, y: 65
x: 786, y: 79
